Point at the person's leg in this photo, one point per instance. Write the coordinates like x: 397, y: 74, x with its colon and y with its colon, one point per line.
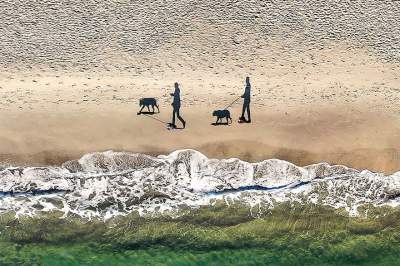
x: 248, y: 113
x: 180, y: 118
x: 243, y: 110
x: 173, y: 117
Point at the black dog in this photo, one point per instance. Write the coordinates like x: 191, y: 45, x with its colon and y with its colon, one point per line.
x: 147, y: 102
x: 220, y: 114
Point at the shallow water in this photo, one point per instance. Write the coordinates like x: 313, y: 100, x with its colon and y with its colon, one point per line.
x: 87, y: 255
x: 289, y: 234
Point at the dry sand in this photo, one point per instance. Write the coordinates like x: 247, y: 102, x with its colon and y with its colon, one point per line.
x: 311, y: 116
x: 325, y: 79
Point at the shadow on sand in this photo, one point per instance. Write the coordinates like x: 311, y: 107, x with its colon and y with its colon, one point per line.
x: 147, y: 113
x: 221, y: 124
x: 172, y: 127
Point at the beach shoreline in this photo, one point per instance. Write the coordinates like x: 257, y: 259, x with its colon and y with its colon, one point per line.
x: 362, y: 139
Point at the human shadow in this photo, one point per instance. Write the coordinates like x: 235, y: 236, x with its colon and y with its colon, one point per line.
x: 174, y: 127
x: 246, y: 103
x: 176, y: 105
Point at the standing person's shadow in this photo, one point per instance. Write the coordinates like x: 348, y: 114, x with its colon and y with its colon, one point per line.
x: 176, y: 105
x: 246, y: 103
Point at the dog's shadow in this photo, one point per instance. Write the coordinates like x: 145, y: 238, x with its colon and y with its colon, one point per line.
x: 220, y: 124
x: 147, y: 113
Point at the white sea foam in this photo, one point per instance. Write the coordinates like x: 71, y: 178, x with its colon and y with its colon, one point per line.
x: 107, y: 184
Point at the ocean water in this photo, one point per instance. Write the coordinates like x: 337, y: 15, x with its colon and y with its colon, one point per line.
x: 83, y: 255
x: 109, y: 184
x: 119, y: 208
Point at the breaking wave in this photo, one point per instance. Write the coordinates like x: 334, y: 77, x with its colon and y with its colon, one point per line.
x: 106, y: 184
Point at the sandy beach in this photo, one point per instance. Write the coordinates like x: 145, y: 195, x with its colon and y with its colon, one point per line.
x: 314, y: 179
x: 304, y: 116
x: 322, y: 89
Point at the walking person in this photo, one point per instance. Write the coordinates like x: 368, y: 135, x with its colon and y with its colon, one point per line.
x: 246, y: 103
x: 176, y: 105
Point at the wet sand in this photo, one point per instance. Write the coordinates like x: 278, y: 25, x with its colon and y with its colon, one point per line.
x: 338, y: 135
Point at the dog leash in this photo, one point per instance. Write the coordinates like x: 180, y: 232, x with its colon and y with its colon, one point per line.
x: 158, y: 120
x: 232, y: 103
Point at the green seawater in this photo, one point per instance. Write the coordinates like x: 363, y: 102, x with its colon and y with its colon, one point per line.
x: 290, y: 234
x: 88, y: 255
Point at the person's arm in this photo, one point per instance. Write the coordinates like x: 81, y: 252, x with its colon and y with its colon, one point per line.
x: 176, y: 92
x: 245, y: 92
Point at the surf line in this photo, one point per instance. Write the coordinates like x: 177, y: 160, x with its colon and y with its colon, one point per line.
x: 39, y: 192
x: 256, y: 188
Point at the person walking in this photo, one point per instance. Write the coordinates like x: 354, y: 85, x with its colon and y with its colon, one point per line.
x: 176, y: 105
x: 246, y: 103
